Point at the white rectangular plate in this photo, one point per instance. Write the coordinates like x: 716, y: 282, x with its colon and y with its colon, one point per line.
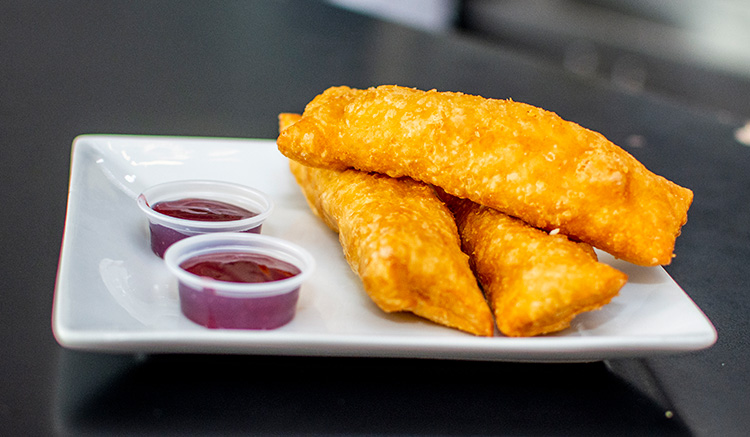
x: 113, y: 294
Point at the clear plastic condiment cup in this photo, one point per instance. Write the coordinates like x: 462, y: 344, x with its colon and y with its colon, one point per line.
x: 165, y: 230
x: 238, y: 305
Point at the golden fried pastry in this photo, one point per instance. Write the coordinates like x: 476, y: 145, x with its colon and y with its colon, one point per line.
x: 401, y: 240
x: 536, y: 283
x: 287, y: 119
x: 519, y: 159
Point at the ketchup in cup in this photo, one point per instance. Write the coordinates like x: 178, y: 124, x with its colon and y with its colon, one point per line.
x: 181, y: 209
x: 238, y: 281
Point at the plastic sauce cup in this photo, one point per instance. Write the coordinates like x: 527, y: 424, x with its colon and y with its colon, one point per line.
x: 238, y: 305
x: 165, y: 230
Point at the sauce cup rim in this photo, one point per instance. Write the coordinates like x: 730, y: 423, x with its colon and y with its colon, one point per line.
x: 235, y: 242
x: 251, y: 198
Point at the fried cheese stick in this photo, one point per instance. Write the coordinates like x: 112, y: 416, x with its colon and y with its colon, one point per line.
x: 517, y: 158
x: 402, y: 242
x: 536, y: 283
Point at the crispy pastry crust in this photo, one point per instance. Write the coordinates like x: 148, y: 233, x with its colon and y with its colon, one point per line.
x: 519, y: 159
x: 536, y: 283
x: 401, y: 240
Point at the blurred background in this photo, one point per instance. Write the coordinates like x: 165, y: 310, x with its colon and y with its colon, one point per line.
x: 695, y: 52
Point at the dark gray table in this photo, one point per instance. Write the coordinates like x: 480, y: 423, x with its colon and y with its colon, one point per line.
x: 226, y: 69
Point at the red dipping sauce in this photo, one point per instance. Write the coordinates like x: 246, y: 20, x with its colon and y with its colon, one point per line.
x: 202, y: 210
x: 195, y: 209
x: 212, y: 310
x: 239, y: 267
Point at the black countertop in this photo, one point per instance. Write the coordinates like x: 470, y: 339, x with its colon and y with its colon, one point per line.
x: 226, y: 69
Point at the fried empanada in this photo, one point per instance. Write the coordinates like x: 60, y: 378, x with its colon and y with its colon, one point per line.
x: 401, y: 240
x: 517, y: 158
x: 536, y: 283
